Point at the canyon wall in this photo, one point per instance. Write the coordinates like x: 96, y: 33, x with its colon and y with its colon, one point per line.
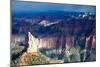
x: 51, y: 42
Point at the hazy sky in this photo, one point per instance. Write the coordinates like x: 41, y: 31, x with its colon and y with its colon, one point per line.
x: 36, y: 6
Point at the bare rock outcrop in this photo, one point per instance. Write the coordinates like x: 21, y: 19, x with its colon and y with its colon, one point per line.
x: 32, y: 44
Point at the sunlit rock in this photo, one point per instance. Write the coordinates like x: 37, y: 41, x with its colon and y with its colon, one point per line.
x: 32, y: 44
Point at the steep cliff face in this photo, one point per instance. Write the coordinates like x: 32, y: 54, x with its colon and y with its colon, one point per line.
x: 55, y: 42
x: 47, y: 42
x: 35, y: 43
x: 32, y: 44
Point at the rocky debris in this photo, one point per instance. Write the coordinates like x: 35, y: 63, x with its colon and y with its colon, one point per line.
x: 24, y: 58
x: 52, y: 60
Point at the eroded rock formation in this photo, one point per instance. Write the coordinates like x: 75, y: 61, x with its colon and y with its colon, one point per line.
x: 32, y: 44
x: 55, y: 42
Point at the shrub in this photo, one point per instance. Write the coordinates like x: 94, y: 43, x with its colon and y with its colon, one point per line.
x: 72, y: 54
x: 15, y: 63
x: 43, y: 51
x: 36, y: 60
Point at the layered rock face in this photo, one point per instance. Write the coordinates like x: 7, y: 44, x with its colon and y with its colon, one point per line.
x: 50, y: 42
x: 35, y: 43
x: 32, y: 44
x: 47, y: 42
